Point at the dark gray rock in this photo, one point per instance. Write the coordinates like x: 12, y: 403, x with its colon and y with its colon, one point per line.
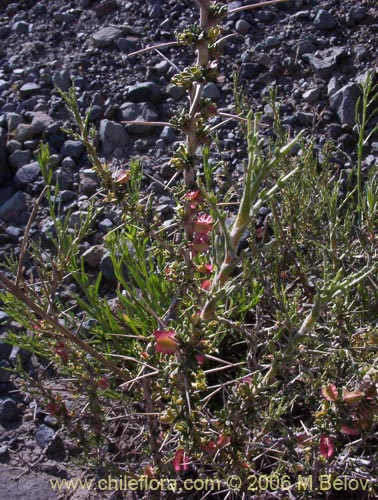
x: 4, y: 85
x: 44, y: 435
x: 144, y: 92
x: 167, y: 171
x: 5, y: 372
x: 106, y: 36
x: 304, y: 47
x: 8, y: 410
x: 357, y: 13
x: 4, y: 170
x: 64, y: 178
x: 5, y: 350
x: 343, y: 102
x: 168, y: 135
x: 157, y: 188
x: 176, y: 92
x: 13, y: 120
x: 333, y: 86
x: 13, y: 146
x: 105, y: 225
x: 126, y: 45
x: 93, y: 255
x: 4, y: 317
x: 19, y: 354
x: 24, y: 132
x: 107, y: 268
x: 311, y: 95
x: 6, y: 193
x: 88, y: 186
x: 40, y: 122
x: 16, y: 209
x: 56, y: 141
x: 162, y: 67
x: 29, y: 89
x: 155, y: 11
x: 250, y: 70
x: 96, y: 112
x: 242, y: 26
x: 112, y: 135
x: 76, y: 218
x: 27, y: 175
x: 211, y: 91
x: 324, y: 20
x: 62, y: 79
x: 272, y: 41
x: 72, y: 148
x: 20, y: 28
x: 324, y: 62
x: 14, y: 233
x: 106, y: 8
x: 142, y: 111
x: 19, y: 158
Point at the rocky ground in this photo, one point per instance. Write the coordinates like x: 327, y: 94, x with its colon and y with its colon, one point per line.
x: 315, y: 52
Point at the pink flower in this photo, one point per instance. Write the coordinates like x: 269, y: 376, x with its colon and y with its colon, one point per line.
x: 203, y: 223
x: 200, y: 243
x: 353, y: 398
x: 246, y: 380
x: 350, y: 430
x: 180, y: 460
x: 330, y: 392
x: 123, y: 177
x: 165, y: 341
x: 327, y: 446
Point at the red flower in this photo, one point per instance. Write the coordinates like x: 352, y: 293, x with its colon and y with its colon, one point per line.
x: 210, y: 447
x: 194, y: 197
x: 223, y: 441
x: 180, y: 460
x: 103, y: 383
x: 203, y: 223
x: 149, y: 471
x: 61, y: 351
x: 205, y: 268
x: 200, y: 359
x: 327, y: 446
x: 54, y: 409
x: 165, y: 341
x: 201, y: 243
x: 206, y: 285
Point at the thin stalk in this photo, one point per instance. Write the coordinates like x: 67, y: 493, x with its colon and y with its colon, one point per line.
x: 21, y: 296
